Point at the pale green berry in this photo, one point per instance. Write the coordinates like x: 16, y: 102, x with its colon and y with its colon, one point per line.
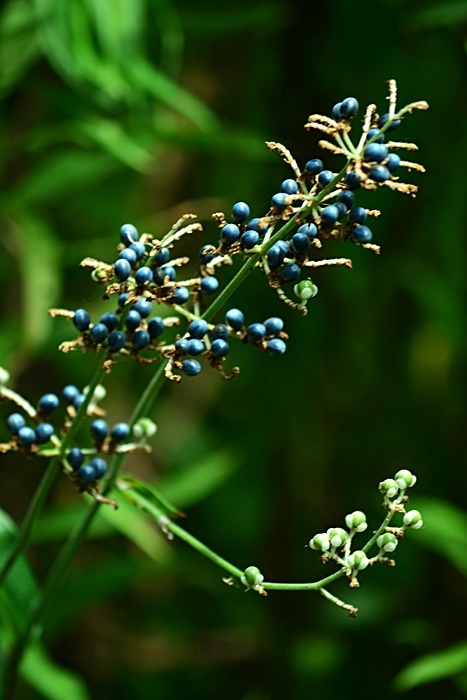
x: 413, y: 519
x: 358, y: 560
x: 389, y: 487
x: 405, y: 479
x: 305, y: 290
x: 356, y: 521
x: 252, y: 576
x: 4, y: 376
x: 144, y: 428
x: 337, y: 536
x: 387, y: 542
x: 320, y: 542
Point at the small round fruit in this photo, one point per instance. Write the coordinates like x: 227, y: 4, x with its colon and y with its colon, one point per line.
x: 240, y: 212
x: 358, y: 215
x: 219, y: 348
x: 325, y: 178
x: 47, y: 404
x: 309, y: 229
x: 209, y: 285
x: 86, y: 475
x: 162, y: 257
x: 81, y: 319
x: 122, y: 270
x: 300, y: 242
x: 384, y: 120
x: 291, y: 272
x: 198, y: 328
x: 274, y: 325
x: 362, y: 234
x: 143, y: 306
x: 375, y: 152
x: 120, y: 432
x: 352, y: 180
x: 276, y: 346
x: 140, y: 340
x: 69, y: 393
x: 346, y: 197
x: 143, y: 276
x: 156, y: 327
x: 110, y: 320
x: 230, y: 233
x: 15, y: 422
x: 180, y: 295
x: 26, y: 436
x: 99, y: 430
x: 128, y: 255
x: 128, y: 234
x: 235, y: 319
x: 117, y: 341
x: 393, y: 162
x: 132, y: 320
x: 379, y: 173
x: 219, y: 332
x: 44, y: 432
x: 99, y: 333
x: 314, y: 166
x: 289, y: 186
x: 279, y: 201
x: 255, y: 332
x: 195, y: 347
x: 349, y: 107
x: 191, y: 367
x: 329, y: 215
x: 276, y: 255
x: 100, y: 467
x: 249, y: 239
x: 75, y: 458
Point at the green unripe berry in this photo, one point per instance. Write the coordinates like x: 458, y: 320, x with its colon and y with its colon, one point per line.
x: 99, y: 393
x: 358, y: 560
x: 320, y: 542
x: 4, y: 376
x: 405, y: 479
x: 305, y: 290
x: 252, y: 576
x: 389, y: 488
x: 356, y: 521
x: 144, y: 428
x: 413, y: 519
x: 387, y: 542
x: 337, y: 536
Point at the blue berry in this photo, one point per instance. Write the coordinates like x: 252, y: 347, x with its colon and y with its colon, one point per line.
x: 133, y: 319
x: 122, y: 270
x: 325, y: 178
x: 289, y: 186
x: 44, y: 432
x: 358, y: 215
x: 47, y: 403
x: 69, y: 393
x: 273, y: 325
x: 220, y: 332
x: 349, y: 107
x: 249, y: 239
x: 198, y: 328
x: 99, y: 466
x: 276, y: 346
x: 26, y: 436
x: 393, y: 162
x: 276, y: 255
x: 140, y: 340
x: 240, y: 212
x: 86, y: 475
x: 256, y: 332
x: 283, y: 245
x: 99, y: 429
x: 362, y: 234
x: 15, y: 421
x: 78, y: 400
x: 143, y: 306
x: 122, y: 299
x: 209, y: 285
x: 379, y: 173
x: 374, y: 132
x: 180, y: 295
x: 128, y: 234
x: 195, y: 347
x: 182, y: 345
x: 290, y: 272
x: 117, y: 341
x: 375, y: 152
x: 139, y: 249
x: 279, y: 201
x: 352, y: 180
x: 110, y: 320
x: 235, y: 319
x: 309, y: 229
x: 336, y: 111
x: 143, y: 276
x: 156, y: 327
x: 329, y: 215
x: 219, y: 348
x: 346, y: 197
x: 206, y: 257
x: 120, y: 432
x: 300, y: 242
x: 75, y: 458
x: 191, y: 367
x: 99, y: 333
x: 82, y: 319
x: 341, y: 208
x: 253, y: 225
x: 160, y: 274
x: 314, y: 166
x: 162, y: 257
x: 230, y: 233
x: 128, y: 255
x: 384, y: 119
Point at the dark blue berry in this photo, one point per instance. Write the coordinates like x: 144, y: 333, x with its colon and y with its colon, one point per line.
x: 329, y: 215
x: 100, y: 467
x: 309, y: 229
x: 346, y: 197
x: 336, y: 111
x: 128, y: 234
x: 128, y: 255
x: 140, y: 340
x: 82, y: 319
x: 47, y: 403
x: 253, y: 225
x: 78, y: 400
x: 120, y: 432
x: 122, y: 270
x: 181, y: 345
x: 44, y: 432
x: 290, y: 272
x: 206, y: 257
x: 26, y: 436
x: 162, y: 257
x: 283, y: 245
x: 86, y: 475
x: 180, y: 295
x: 279, y: 201
x: 117, y: 341
x: 139, y: 249
x: 110, y: 320
x: 362, y: 234
x: 273, y: 325
x: 375, y: 152
x: 249, y: 239
x: 209, y: 285
x: 122, y: 299
x: 349, y: 107
x: 15, y: 421
x: 358, y: 215
x: 220, y: 332
x: 230, y: 233
x: 198, y: 328
x: 393, y: 162
x: 300, y: 242
x: 276, y: 255
x: 276, y: 346
x: 69, y: 393
x: 99, y: 430
x: 156, y: 327
x: 379, y: 173
x: 143, y: 306
x: 384, y: 119
x: 143, y: 276
x: 195, y: 347
x: 341, y: 208
x: 75, y: 458
x: 374, y: 132
x: 133, y: 319
x: 256, y: 332
x: 289, y: 186
x: 325, y: 178
x: 235, y: 319
x: 219, y: 348
x: 240, y: 212
x: 99, y: 333
x: 352, y: 180
x: 191, y: 367
x: 314, y: 166
x: 161, y: 273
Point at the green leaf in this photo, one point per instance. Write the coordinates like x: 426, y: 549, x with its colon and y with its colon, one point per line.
x: 18, y: 44
x: 445, y: 530
x: 148, y: 492
x: 57, y: 524
x: 112, y: 138
x: 433, y: 667
x: 446, y: 14
x: 53, y: 681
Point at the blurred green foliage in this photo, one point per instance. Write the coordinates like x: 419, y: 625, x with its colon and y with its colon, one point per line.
x: 141, y: 110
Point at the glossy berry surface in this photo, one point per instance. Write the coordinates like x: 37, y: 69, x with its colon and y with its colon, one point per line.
x: 75, y: 458
x: 300, y: 242
x: 99, y: 429
x: 384, y: 120
x: 209, y: 285
x: 47, y: 403
x: 379, y: 173
x: 349, y: 107
x: 128, y: 255
x: 86, y: 475
x: 309, y: 229
x: 140, y: 340
x: 219, y: 348
x: 132, y: 320
x: 122, y: 270
x: 230, y: 233
x: 110, y: 320
x: 99, y: 466
x: 143, y: 307
x: 374, y: 132
x: 26, y: 436
x: 69, y: 393
x: 393, y: 162
x: 291, y: 272
x: 44, y: 432
x: 235, y: 319
x: 249, y: 239
x: 253, y: 225
x: 279, y: 201
x: 329, y: 215
x: 139, y: 249
x: 78, y: 400
x: 375, y: 152
x: 289, y: 186
x: 352, y: 180
x: 276, y: 255
x: 181, y: 345
x: 15, y: 421
x: 195, y: 347
x: 128, y: 234
x: 347, y: 198
x: 162, y: 257
x: 273, y: 325
x: 276, y: 346
x: 325, y: 177
x: 143, y: 276
x: 362, y: 234
x: 219, y: 332
x: 99, y: 333
x: 256, y: 332
x: 120, y: 432
x: 117, y: 341
x: 191, y: 367
x: 358, y: 215
x: 180, y: 295
x: 314, y: 166
x: 336, y: 111
x: 240, y: 212
x: 81, y: 319
x: 342, y: 210
x: 122, y: 299
x: 156, y: 327
x: 198, y: 328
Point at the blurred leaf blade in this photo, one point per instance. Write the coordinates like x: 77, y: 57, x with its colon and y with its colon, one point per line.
x: 433, y: 667
x: 445, y: 531
x: 52, y: 681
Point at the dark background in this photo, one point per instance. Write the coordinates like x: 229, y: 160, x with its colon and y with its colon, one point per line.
x: 110, y: 116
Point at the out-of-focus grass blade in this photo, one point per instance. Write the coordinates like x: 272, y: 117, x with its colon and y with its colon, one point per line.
x: 18, y: 44
x: 49, y: 679
x: 111, y: 137
x: 119, y: 26
x: 148, y: 492
x: 433, y: 667
x: 266, y: 16
x: 55, y: 525
x: 445, y: 530
x: 446, y: 14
